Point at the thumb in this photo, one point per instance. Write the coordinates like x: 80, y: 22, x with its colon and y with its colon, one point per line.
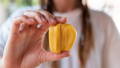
x: 54, y: 57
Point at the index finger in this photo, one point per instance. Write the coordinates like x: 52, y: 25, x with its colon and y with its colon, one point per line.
x: 61, y: 20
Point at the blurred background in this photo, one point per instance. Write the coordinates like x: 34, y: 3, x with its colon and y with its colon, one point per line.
x: 111, y: 7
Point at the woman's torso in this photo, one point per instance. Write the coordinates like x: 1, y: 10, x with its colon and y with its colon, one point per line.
x: 99, y: 23
x: 95, y: 59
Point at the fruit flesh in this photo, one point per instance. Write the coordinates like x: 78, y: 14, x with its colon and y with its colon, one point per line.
x: 61, y: 37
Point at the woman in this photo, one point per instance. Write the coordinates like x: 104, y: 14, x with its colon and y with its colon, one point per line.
x: 96, y: 45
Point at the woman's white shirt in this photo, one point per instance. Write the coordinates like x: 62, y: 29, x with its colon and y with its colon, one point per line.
x: 106, y: 39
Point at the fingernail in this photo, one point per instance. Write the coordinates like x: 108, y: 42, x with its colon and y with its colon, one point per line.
x: 62, y: 19
x: 21, y: 27
x: 38, y: 26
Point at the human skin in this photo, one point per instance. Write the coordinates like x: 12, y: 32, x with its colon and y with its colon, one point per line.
x: 64, y: 5
x: 21, y: 50
x: 24, y: 48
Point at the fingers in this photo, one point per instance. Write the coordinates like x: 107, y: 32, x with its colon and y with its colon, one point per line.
x: 51, y: 18
x: 17, y: 25
x: 37, y: 16
x: 43, y: 17
x: 22, y: 22
x: 61, y: 20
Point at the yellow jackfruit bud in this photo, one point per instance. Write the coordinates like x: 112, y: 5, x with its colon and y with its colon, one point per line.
x: 61, y: 37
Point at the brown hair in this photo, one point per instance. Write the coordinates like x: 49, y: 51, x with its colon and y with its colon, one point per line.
x: 86, y: 41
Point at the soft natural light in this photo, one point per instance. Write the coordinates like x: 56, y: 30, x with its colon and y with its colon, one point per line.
x: 116, y: 13
x: 96, y: 4
x: 116, y: 18
x: 111, y: 7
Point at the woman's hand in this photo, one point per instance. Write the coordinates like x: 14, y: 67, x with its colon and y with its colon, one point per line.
x: 24, y: 48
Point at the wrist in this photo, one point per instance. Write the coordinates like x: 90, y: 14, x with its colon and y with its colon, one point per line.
x: 7, y: 64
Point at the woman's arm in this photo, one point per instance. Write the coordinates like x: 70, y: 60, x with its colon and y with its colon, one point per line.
x: 24, y: 48
x: 6, y: 26
x: 111, y: 55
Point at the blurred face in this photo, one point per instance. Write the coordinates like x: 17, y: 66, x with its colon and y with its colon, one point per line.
x: 64, y: 4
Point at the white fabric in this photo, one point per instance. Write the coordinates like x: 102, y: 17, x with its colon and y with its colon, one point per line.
x: 73, y: 18
x: 106, y: 39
